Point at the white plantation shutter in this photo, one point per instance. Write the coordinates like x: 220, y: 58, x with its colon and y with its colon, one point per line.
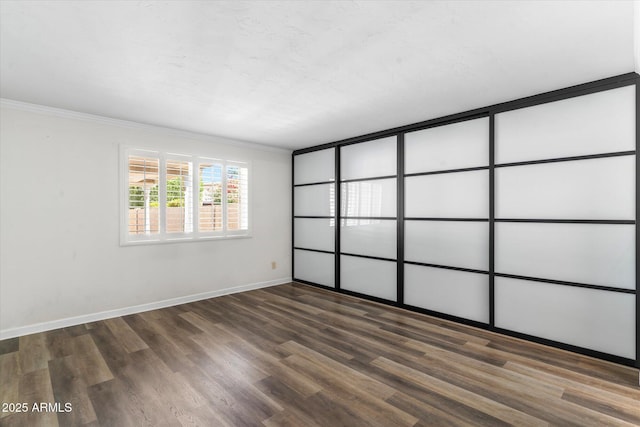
x: 210, y: 212
x: 143, y: 177
x: 168, y: 196
x: 179, y: 200
x: 237, y: 200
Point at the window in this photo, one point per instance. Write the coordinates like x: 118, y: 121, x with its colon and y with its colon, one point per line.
x: 176, y: 197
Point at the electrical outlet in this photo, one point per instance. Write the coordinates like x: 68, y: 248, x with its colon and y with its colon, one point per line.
x: 273, y: 265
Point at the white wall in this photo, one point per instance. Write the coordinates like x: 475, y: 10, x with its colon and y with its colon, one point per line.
x: 60, y: 256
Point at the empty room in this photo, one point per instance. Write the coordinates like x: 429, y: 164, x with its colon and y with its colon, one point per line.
x: 319, y: 213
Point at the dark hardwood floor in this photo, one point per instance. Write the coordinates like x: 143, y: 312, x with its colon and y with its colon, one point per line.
x: 294, y: 355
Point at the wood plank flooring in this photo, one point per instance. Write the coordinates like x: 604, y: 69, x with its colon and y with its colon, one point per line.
x: 294, y: 355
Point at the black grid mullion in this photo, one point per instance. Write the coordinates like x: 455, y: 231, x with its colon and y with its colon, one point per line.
x: 400, y: 221
x: 492, y: 222
x: 338, y: 205
x: 440, y: 172
x: 307, y: 184
x: 567, y: 159
x: 371, y: 178
x: 637, y: 362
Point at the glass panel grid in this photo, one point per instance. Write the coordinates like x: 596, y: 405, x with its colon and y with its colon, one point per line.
x: 454, y: 146
x: 317, y: 166
x: 448, y: 195
x: 315, y: 267
x: 314, y: 233
x: 371, y: 277
x: 449, y: 243
x: 457, y: 293
x: 470, y: 200
x: 368, y: 159
x: 601, y: 188
x: 602, y: 122
x: 596, y: 254
x: 314, y: 200
x: 375, y: 198
x: 372, y: 237
x: 598, y: 320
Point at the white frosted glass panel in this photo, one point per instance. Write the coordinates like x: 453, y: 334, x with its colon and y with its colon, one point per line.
x: 584, y: 189
x: 457, y: 293
x: 314, y: 267
x: 314, y: 200
x: 589, y: 318
x: 312, y: 233
x: 317, y: 166
x: 450, y: 243
x: 371, y: 237
x: 455, y: 146
x: 368, y: 276
x: 368, y: 159
x: 369, y: 198
x: 448, y: 195
x: 602, y: 122
x: 597, y: 254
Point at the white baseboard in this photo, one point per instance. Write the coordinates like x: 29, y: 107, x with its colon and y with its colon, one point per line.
x: 79, y: 320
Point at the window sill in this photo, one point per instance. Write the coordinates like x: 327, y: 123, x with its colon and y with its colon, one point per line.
x: 183, y: 240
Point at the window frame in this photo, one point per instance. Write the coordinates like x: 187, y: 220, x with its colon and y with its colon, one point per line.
x: 196, y: 235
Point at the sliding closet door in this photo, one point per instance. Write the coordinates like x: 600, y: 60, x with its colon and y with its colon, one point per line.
x: 519, y: 218
x: 447, y: 219
x: 368, y: 224
x: 314, y: 221
x: 565, y: 221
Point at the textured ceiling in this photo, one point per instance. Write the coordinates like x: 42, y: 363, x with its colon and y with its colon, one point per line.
x: 295, y: 74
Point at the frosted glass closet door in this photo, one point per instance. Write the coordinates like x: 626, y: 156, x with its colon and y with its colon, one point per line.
x: 456, y: 146
x: 594, y: 319
x: 315, y: 267
x: 595, y: 254
x: 314, y: 233
x: 317, y: 166
x: 314, y: 200
x: 368, y: 159
x: 582, y: 253
x: 601, y: 188
x: 449, y: 195
x: 374, y: 198
x: 368, y: 276
x: 369, y: 237
x: 454, y: 195
x: 457, y: 293
x: 602, y: 122
x: 450, y: 243
x: 369, y: 199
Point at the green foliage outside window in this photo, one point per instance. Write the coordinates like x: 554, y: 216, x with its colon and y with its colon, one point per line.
x: 136, y: 197
x: 175, y: 194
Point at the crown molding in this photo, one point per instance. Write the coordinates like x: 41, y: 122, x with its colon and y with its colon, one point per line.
x: 69, y: 114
